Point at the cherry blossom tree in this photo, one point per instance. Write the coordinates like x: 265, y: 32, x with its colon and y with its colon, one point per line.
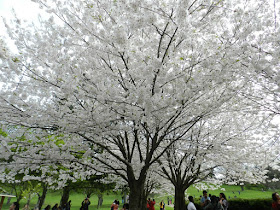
x: 117, y: 79
x: 210, y: 154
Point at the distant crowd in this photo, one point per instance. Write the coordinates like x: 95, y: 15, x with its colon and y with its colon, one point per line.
x: 67, y: 206
x: 84, y: 206
x: 210, y: 202
x: 213, y: 202
x: 116, y: 203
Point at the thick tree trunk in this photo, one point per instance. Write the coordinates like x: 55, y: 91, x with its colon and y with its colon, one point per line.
x: 65, y: 196
x: 137, y: 199
x: 41, y: 199
x: 180, y: 202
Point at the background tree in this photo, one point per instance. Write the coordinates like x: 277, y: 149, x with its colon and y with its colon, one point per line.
x: 211, y: 149
x: 95, y: 185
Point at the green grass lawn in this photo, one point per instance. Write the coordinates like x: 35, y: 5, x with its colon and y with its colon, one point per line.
x: 77, y: 198
x: 232, y: 192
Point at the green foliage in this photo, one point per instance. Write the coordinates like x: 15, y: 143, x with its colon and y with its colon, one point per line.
x: 272, y: 174
x: 2, y: 133
x: 31, y: 189
x: 15, y: 59
x: 250, y: 204
x: 93, y: 186
x: 254, y: 187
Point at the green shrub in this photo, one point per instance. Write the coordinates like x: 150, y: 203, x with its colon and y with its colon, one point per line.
x: 252, y: 204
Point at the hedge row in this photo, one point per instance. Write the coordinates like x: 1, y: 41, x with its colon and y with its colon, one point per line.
x: 245, y: 204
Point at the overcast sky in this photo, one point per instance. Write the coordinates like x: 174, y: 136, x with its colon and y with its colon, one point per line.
x: 25, y: 9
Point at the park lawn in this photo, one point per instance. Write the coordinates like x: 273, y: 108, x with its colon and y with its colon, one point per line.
x: 231, y: 192
x: 76, y: 199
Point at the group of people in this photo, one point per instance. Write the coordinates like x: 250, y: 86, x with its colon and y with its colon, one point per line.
x: 116, y: 203
x: 207, y: 203
x: 67, y: 206
x: 210, y: 202
x: 151, y: 204
x: 221, y: 203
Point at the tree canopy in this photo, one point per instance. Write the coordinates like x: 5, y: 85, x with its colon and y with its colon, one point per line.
x: 124, y: 82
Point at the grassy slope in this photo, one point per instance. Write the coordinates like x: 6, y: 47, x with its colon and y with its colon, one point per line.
x: 232, y: 191
x: 76, y: 198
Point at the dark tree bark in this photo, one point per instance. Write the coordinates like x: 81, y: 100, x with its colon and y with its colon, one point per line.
x: 41, y: 198
x: 137, y: 192
x: 180, y: 202
x: 65, y: 196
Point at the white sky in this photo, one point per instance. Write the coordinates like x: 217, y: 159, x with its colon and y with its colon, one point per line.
x: 25, y: 9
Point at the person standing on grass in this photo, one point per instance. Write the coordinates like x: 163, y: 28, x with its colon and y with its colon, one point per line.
x: 68, y: 205
x: 85, y: 204
x: 148, y: 203
x: 203, y: 200
x: 48, y: 207
x: 152, y: 205
x: 223, y: 201
x: 161, y: 205
x: 276, y: 201
x: 55, y: 207
x: 214, y: 204
x: 191, y: 205
x: 115, y: 205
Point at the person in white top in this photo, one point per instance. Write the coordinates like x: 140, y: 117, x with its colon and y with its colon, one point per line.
x: 191, y: 205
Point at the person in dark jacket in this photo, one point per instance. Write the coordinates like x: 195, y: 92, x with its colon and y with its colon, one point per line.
x: 55, y: 207
x: 48, y: 207
x: 214, y: 204
x: 85, y: 204
x: 68, y: 205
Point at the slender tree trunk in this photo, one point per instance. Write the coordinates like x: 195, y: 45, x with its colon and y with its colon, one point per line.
x: 100, y: 200
x: 124, y: 197
x: 18, y: 195
x: 137, y: 199
x: 41, y: 198
x: 29, y: 198
x: 9, y: 199
x: 65, y: 196
x: 180, y: 202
